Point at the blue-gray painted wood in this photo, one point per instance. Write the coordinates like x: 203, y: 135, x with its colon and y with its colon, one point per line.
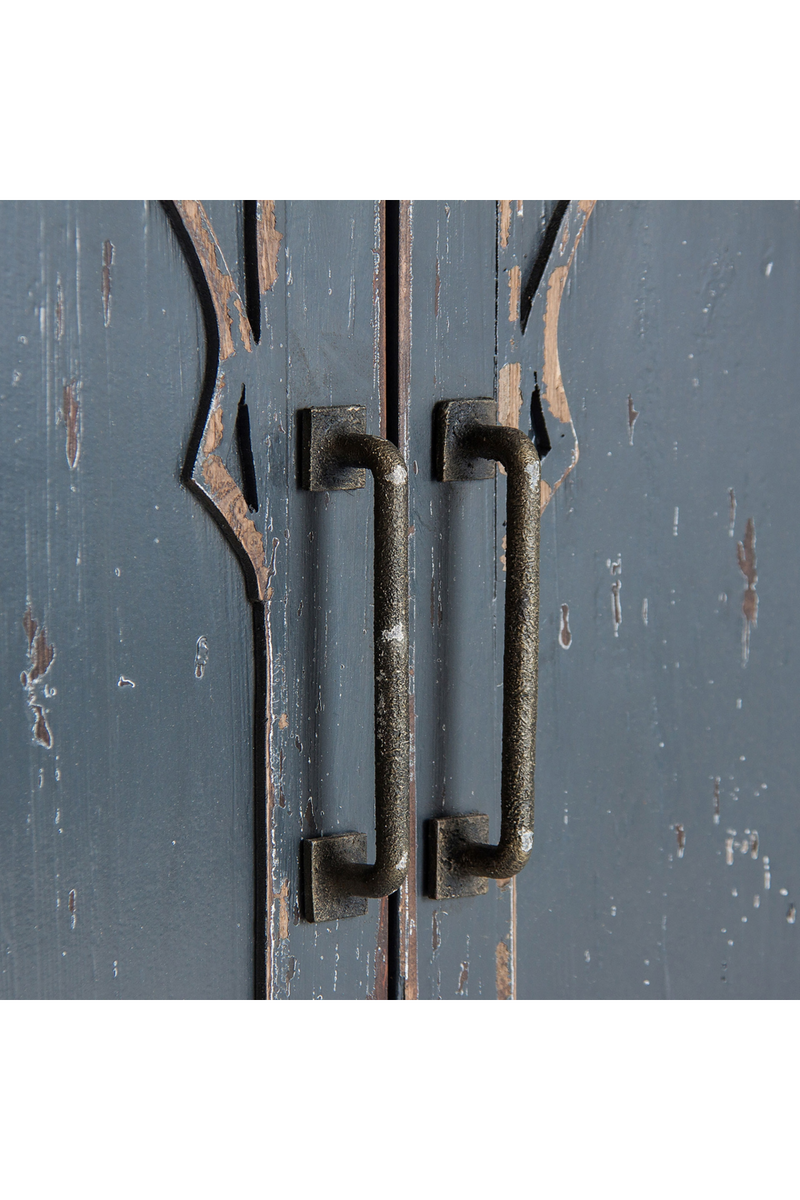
x: 126, y: 847
x: 321, y: 345
x: 128, y: 835
x: 667, y: 844
x: 456, y: 606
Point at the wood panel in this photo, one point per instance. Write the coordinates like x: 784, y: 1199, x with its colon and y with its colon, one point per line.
x: 464, y: 946
x: 666, y: 846
x: 126, y: 828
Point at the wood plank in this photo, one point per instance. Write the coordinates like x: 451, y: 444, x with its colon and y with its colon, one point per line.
x: 463, y: 944
x: 666, y: 851
x: 126, y: 843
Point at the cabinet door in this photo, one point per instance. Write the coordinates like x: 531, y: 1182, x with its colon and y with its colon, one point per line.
x: 651, y: 351
x: 126, y: 822
x: 187, y: 633
x: 187, y: 655
x: 667, y: 843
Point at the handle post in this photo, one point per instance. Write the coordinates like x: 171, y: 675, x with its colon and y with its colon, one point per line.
x: 336, y: 449
x: 468, y: 443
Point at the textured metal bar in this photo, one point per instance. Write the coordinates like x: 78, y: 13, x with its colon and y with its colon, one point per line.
x: 334, y: 447
x: 467, y: 437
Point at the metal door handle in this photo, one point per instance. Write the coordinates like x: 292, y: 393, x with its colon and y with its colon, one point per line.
x: 460, y: 862
x: 335, y: 449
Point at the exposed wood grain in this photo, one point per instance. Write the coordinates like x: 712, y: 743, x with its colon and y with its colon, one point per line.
x: 108, y: 262
x: 746, y: 556
x: 514, y: 286
x: 408, y: 950
x: 509, y: 394
x: 269, y: 240
x: 553, y: 385
x: 71, y: 416
x: 208, y: 472
x: 503, y: 972
x: 224, y: 295
x: 505, y: 222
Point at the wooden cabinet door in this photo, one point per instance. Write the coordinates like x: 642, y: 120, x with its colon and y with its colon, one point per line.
x: 651, y: 350
x: 175, y: 721
x: 187, y: 633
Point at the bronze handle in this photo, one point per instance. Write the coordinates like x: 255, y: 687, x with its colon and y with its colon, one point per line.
x: 335, y: 449
x: 468, y: 442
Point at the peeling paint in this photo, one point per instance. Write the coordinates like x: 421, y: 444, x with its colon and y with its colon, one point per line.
x: 41, y: 654
x: 230, y: 502
x: 220, y: 282
x: 381, y: 967
x: 41, y: 730
x: 463, y: 979
x: 59, y: 312
x: 108, y: 262
x: 616, y: 587
x: 72, y: 905
x: 716, y: 799
x: 269, y: 244
x: 71, y: 416
x: 564, y: 635
x: 209, y: 476
x: 552, y: 382
x: 502, y: 972
x: 731, y: 511
x: 509, y: 395
x: 283, y: 910
x: 514, y: 290
x: 200, y: 657
x: 632, y: 415
x: 505, y: 222
x: 746, y: 555
x: 680, y: 833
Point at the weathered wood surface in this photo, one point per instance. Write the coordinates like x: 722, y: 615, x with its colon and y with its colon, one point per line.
x: 300, y: 326
x: 132, y: 862
x: 464, y: 946
x: 321, y: 344
x: 667, y: 845
x: 653, y: 346
x: 126, y: 844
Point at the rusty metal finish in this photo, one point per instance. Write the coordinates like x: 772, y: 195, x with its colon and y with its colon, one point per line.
x: 467, y: 436
x: 332, y: 444
x: 447, y: 838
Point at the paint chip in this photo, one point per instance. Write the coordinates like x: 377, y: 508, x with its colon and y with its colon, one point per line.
x: 632, y: 415
x: 502, y: 972
x: 41, y: 654
x: 108, y: 262
x: 564, y: 635
x: 200, y: 657
x: 746, y: 556
x: 70, y: 414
